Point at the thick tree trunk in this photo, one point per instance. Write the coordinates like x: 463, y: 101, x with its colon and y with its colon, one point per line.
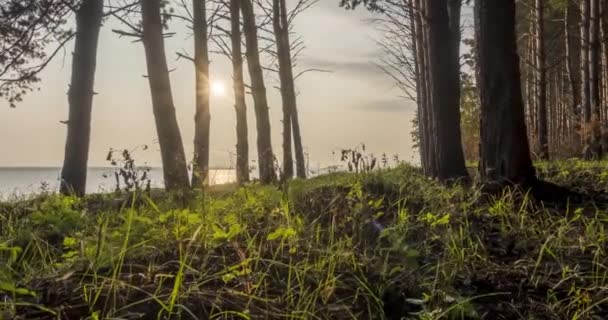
x: 202, y: 117
x: 258, y: 90
x: 541, y: 91
x: 594, y: 75
x: 444, y: 67
x: 505, y: 154
x: 80, y: 97
x: 242, y: 143
x: 175, y: 170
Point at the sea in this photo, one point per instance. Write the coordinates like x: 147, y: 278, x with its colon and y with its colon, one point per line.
x: 20, y: 182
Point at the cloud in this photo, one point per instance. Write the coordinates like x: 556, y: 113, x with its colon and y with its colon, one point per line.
x: 352, y: 67
x: 393, y: 105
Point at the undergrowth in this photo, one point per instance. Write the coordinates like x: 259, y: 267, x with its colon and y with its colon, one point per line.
x: 390, y: 244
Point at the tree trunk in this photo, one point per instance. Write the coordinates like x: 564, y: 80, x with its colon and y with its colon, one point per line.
x: 202, y: 117
x: 429, y: 167
x: 288, y: 94
x: 542, y: 133
x: 175, y: 170
x: 265, y: 155
x: 421, y: 86
x: 444, y: 66
x: 570, y: 67
x: 242, y: 143
x: 295, y: 119
x: 584, y: 35
x: 287, y: 88
x: 594, y: 76
x: 80, y: 97
x: 420, y: 101
x: 505, y: 154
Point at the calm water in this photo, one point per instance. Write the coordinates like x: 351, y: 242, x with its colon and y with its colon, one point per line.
x: 17, y: 182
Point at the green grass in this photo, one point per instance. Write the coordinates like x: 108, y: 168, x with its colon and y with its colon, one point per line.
x: 385, y: 245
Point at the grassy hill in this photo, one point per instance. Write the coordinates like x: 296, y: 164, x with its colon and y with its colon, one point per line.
x: 390, y: 244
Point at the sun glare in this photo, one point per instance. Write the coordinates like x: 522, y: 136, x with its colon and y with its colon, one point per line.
x: 218, y: 89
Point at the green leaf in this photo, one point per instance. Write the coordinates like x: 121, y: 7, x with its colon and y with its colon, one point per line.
x: 9, y: 287
x: 69, y: 242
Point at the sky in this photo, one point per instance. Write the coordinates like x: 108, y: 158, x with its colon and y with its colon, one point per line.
x: 355, y: 103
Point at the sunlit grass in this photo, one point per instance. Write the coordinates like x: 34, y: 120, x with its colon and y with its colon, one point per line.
x: 380, y: 245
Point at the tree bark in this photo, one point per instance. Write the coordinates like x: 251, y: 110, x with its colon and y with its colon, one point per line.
x: 287, y: 88
x: 594, y: 75
x: 444, y: 67
x: 175, y: 170
x: 541, y: 91
x: 80, y: 97
x: 288, y: 94
x: 505, y: 153
x: 420, y: 90
x: 258, y: 89
x: 585, y: 87
x: 240, y: 106
x: 202, y: 118
x: 570, y: 67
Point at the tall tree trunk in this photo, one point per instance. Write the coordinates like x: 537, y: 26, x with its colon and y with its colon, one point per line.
x: 444, y: 66
x: 594, y: 75
x: 175, y: 170
x: 570, y: 67
x: 604, y: 41
x: 420, y: 101
x: 202, y: 117
x: 288, y: 92
x: 422, y: 87
x: 287, y: 88
x: 505, y: 153
x: 258, y: 90
x: 431, y: 166
x: 542, y: 134
x: 295, y: 119
x: 585, y: 87
x: 80, y: 97
x: 242, y: 143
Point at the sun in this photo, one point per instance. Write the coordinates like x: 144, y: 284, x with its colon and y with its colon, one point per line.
x: 218, y: 89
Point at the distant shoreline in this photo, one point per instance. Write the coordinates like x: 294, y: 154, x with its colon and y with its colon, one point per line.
x: 90, y: 168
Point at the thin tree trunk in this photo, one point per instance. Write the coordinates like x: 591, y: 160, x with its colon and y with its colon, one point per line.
x: 444, y: 67
x: 80, y: 97
x: 175, y: 170
x: 570, y: 67
x: 240, y: 106
x: 604, y: 42
x: 424, y: 121
x: 287, y: 87
x: 505, y: 154
x: 542, y: 134
x: 258, y: 89
x: 288, y: 91
x: 414, y: 17
x: 202, y: 117
x: 585, y: 87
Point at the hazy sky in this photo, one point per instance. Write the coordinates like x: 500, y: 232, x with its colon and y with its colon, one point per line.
x: 356, y: 103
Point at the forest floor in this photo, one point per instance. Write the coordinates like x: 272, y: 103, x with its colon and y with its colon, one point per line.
x: 390, y: 244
